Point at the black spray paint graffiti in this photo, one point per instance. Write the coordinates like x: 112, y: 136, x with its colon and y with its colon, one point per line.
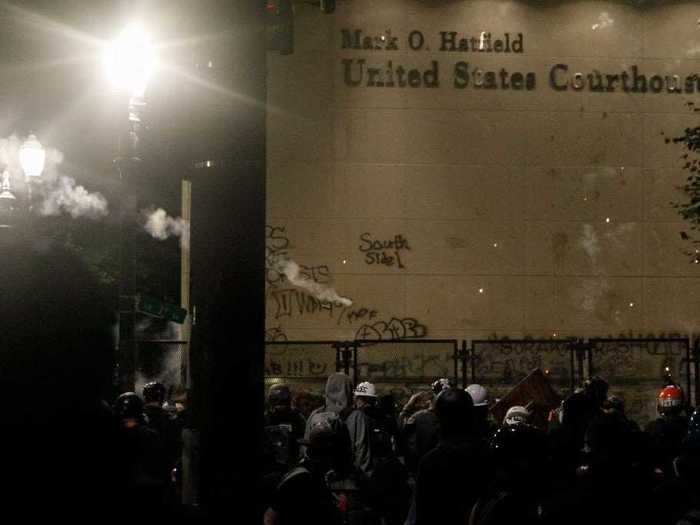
x: 416, y: 366
x: 275, y: 335
x: 296, y: 368
x: 296, y: 303
x: 387, y: 252
x: 277, y: 249
x: 407, y: 328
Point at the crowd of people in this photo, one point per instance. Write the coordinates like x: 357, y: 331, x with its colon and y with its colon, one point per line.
x: 443, y: 459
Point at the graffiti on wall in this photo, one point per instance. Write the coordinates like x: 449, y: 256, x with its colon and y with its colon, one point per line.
x: 386, y: 252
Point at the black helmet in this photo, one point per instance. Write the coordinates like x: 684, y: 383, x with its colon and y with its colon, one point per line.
x: 454, y: 408
x: 154, y: 392
x: 128, y: 406
x: 279, y: 395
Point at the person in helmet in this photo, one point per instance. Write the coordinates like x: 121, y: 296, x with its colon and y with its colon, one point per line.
x: 483, y: 426
x: 667, y: 432
x: 169, y: 427
x: 282, y: 415
x: 420, y: 430
x: 303, y: 496
x: 453, y: 475
x: 143, y: 451
x: 360, y: 424
x: 154, y: 397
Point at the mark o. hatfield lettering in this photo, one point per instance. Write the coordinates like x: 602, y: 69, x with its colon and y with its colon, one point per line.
x: 361, y: 72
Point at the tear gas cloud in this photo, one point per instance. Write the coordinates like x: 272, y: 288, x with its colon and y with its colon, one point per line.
x: 323, y: 293
x: 67, y: 197
x: 162, y: 226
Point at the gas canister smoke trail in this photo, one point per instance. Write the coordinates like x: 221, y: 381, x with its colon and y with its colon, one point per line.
x: 162, y: 226
x: 292, y: 272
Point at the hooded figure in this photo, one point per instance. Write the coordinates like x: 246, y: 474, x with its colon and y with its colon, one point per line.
x: 338, y: 411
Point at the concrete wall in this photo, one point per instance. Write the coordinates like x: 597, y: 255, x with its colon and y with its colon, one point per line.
x: 520, y: 212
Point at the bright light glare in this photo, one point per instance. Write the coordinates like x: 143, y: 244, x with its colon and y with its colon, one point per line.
x: 130, y: 60
x: 32, y: 157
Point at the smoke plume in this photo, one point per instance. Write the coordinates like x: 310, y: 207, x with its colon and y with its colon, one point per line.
x: 64, y: 196
x: 323, y: 293
x: 589, y: 242
x: 162, y: 226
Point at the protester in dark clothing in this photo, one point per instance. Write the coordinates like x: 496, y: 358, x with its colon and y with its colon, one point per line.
x: 143, y: 454
x: 303, y: 496
x: 284, y: 424
x: 483, y: 426
x: 668, y: 431
x: 338, y: 406
x: 567, y: 438
x: 611, y: 487
x: 680, y: 496
x: 452, y: 476
x: 420, y: 431
x: 167, y: 424
x: 520, y: 460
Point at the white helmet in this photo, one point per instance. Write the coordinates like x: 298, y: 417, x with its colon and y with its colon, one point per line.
x: 480, y: 395
x: 366, y: 389
x: 516, y: 414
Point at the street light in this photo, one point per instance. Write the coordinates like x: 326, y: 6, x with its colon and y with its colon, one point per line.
x: 129, y: 63
x: 32, y: 158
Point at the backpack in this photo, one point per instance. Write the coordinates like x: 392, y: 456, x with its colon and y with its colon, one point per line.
x: 343, y: 445
x: 279, y: 439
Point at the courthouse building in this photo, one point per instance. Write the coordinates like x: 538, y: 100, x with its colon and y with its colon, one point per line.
x: 482, y: 169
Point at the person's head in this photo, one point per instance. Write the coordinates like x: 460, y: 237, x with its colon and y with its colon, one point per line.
x: 479, y: 395
x: 614, y: 405
x: 596, y: 389
x: 365, y: 395
x: 387, y: 404
x: 129, y: 409
x: 516, y: 415
x: 440, y: 384
x: 670, y: 401
x: 454, y: 410
x: 279, y: 398
x: 154, y: 393
x: 339, y: 392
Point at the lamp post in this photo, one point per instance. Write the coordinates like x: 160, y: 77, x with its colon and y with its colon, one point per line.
x: 129, y: 63
x: 32, y: 158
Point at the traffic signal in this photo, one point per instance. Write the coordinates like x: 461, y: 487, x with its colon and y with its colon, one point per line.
x: 280, y: 26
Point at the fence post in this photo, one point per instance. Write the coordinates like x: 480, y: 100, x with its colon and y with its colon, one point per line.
x: 696, y: 366
x: 355, y: 377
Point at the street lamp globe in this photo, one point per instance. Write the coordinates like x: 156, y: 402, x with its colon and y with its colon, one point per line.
x: 32, y: 157
x: 129, y: 61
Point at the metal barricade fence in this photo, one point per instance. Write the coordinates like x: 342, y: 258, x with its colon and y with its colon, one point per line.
x: 639, y: 367
x: 634, y: 368
x: 500, y: 364
x: 405, y: 366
